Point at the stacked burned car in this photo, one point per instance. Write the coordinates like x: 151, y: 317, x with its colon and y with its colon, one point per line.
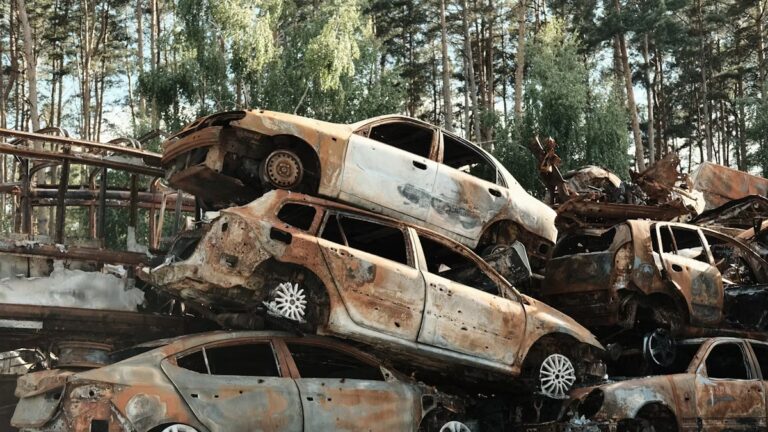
x: 424, y: 255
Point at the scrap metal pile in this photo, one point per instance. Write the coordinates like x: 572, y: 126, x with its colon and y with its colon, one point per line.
x: 383, y: 275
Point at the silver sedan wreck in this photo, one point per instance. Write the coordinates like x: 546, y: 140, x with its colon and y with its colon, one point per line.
x: 234, y: 381
x: 393, y: 165
x: 335, y: 270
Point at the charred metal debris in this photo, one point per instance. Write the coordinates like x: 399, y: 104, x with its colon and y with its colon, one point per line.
x: 272, y: 272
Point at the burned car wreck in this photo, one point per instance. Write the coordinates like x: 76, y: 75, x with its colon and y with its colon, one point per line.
x: 209, y: 381
x: 392, y: 165
x: 340, y: 271
x: 713, y: 384
x: 646, y: 275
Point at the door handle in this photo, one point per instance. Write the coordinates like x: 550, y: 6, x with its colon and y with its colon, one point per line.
x: 420, y: 165
x: 677, y: 268
x: 494, y: 192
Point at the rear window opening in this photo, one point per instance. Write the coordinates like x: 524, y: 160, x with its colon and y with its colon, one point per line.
x: 468, y: 160
x: 584, y: 243
x: 381, y: 240
x: 297, y: 215
x: 254, y: 359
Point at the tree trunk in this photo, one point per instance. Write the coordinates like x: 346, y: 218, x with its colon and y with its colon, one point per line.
x: 639, y: 153
x: 447, y: 104
x: 489, y: 81
x: 31, y: 63
x: 761, y: 66
x: 155, y: 59
x: 471, y: 75
x: 704, y: 88
x: 649, y: 92
x: 140, y: 49
x: 520, y: 62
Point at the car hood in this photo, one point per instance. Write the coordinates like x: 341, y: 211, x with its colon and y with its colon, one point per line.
x: 550, y: 320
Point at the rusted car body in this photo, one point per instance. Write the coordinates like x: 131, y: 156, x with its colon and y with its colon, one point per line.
x: 716, y: 384
x: 690, y: 280
x: 721, y: 184
x: 393, y: 165
x: 357, y: 275
x: 230, y: 381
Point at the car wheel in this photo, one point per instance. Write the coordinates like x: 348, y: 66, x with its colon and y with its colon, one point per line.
x: 282, y: 169
x: 288, y: 301
x: 455, y: 426
x: 556, y: 376
x: 178, y: 428
x: 659, y: 348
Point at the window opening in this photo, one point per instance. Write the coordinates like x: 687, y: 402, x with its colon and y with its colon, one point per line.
x: 314, y: 361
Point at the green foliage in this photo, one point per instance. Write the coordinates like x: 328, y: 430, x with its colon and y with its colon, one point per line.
x: 606, y: 137
x: 556, y: 92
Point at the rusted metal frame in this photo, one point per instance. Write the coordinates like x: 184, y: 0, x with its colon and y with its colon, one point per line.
x: 26, y: 208
x: 149, y: 157
x: 61, y: 204
x: 111, y: 203
x: 160, y: 222
x: 133, y: 214
x: 152, y: 215
x: 101, y: 230
x: 177, y: 211
x: 89, y: 194
x: 73, y: 253
x: 81, y: 158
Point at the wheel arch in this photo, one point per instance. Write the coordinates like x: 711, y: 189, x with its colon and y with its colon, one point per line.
x: 658, y: 411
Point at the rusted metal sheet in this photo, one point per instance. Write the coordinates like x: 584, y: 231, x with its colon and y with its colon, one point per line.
x: 594, y: 197
x: 249, y: 254
x: 722, y: 184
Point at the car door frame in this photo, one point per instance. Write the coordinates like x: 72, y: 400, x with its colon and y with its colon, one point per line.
x: 437, y: 136
x: 754, y: 381
x: 697, y: 291
x: 479, y: 203
x: 390, y: 378
x: 763, y: 377
x: 409, y: 186
x: 281, y: 364
x: 507, y: 293
x: 406, y: 328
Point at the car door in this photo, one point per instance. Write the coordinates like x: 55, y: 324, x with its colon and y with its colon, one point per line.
x: 729, y: 394
x: 390, y: 170
x: 468, y: 191
x: 760, y: 351
x: 344, y: 392
x: 465, y: 308
x: 373, y: 267
x: 687, y: 261
x: 237, y: 386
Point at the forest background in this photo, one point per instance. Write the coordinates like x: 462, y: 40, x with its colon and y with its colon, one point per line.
x: 617, y: 83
